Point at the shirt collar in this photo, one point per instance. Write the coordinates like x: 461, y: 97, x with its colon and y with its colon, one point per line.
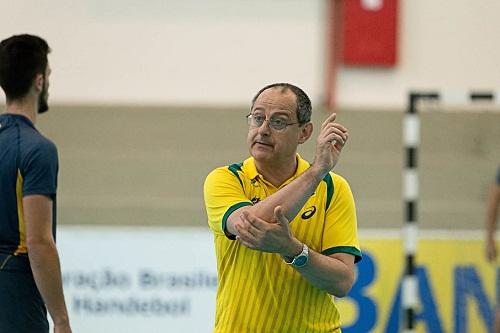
x: 21, y: 118
x: 251, y: 169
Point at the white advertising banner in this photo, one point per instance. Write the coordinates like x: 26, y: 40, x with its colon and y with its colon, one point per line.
x: 132, y: 279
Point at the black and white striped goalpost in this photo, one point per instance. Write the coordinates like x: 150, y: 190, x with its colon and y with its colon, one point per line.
x: 411, y: 140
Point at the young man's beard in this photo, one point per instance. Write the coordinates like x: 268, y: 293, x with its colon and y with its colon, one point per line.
x: 43, y: 105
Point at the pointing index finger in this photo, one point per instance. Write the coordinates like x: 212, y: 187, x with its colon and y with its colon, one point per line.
x: 328, y: 120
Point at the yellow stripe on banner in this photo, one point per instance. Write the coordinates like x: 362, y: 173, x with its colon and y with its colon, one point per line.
x: 21, y: 248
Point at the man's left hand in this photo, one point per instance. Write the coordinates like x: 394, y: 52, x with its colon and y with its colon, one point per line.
x: 275, y: 237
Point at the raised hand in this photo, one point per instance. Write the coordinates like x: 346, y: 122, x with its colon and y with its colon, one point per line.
x: 331, y: 140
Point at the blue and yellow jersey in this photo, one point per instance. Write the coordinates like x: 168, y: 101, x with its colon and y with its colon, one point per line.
x: 28, y: 166
x: 257, y: 291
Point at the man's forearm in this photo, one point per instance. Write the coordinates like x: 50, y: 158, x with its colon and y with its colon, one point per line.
x: 333, y: 274
x: 44, y: 261
x: 291, y: 198
x: 329, y: 273
x: 492, y: 211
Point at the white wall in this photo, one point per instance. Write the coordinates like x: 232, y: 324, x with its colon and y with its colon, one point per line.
x: 220, y: 52
x: 166, y: 51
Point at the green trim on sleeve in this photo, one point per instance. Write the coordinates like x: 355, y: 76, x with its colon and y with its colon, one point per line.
x: 234, y: 168
x: 329, y: 189
x: 229, y: 212
x: 344, y: 249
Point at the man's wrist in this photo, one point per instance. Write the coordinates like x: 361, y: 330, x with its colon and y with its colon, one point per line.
x: 293, y: 250
x: 62, y: 320
x: 301, y: 259
x: 317, y: 173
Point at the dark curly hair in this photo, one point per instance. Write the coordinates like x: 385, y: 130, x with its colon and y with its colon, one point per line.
x: 22, y: 57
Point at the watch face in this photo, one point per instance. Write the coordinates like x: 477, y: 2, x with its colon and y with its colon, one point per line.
x: 300, y: 260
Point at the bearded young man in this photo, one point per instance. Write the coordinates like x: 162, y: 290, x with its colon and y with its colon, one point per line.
x: 30, y: 274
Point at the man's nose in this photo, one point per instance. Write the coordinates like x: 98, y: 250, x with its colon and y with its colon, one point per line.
x: 264, y: 129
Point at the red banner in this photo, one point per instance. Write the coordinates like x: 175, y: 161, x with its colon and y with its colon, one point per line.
x: 370, y: 32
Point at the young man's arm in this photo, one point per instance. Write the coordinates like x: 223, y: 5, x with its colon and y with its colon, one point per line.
x: 491, y: 221
x: 44, y: 258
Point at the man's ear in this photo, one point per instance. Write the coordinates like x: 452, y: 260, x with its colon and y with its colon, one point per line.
x: 305, y: 132
x: 39, y: 80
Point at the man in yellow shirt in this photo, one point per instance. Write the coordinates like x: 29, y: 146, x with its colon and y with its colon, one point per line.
x: 285, y: 231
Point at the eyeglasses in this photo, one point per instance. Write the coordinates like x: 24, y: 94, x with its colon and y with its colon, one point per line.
x: 278, y: 124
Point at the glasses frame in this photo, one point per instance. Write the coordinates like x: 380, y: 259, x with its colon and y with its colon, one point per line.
x: 271, y: 125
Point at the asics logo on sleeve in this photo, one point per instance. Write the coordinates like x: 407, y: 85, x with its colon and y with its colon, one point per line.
x: 254, y: 200
x: 309, y: 213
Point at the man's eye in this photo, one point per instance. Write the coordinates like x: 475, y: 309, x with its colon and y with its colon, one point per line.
x: 258, y: 119
x: 278, y: 122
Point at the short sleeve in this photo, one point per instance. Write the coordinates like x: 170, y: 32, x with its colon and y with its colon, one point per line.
x: 223, y: 193
x: 39, y: 170
x: 341, y: 231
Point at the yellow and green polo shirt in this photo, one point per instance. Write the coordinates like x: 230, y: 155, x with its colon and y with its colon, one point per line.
x: 257, y: 291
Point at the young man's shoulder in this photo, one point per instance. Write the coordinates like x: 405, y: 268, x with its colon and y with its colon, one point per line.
x: 36, y: 143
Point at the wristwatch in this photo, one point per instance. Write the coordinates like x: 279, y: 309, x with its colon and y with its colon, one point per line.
x: 301, y: 259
